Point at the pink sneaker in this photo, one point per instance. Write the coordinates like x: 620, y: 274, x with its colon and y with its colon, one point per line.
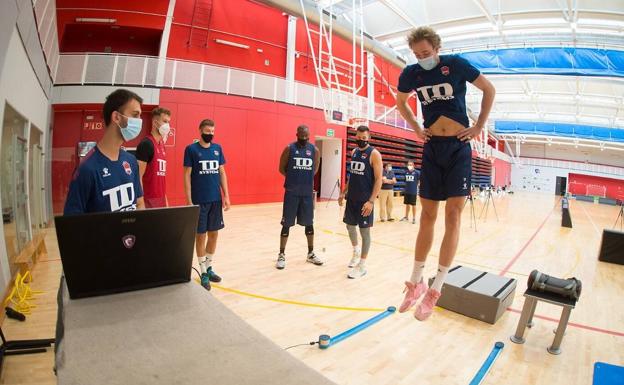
x: 413, y: 291
x: 424, y: 310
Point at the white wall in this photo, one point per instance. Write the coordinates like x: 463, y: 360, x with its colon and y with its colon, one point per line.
x: 581, y: 154
x: 20, y: 87
x: 542, y: 179
x: 331, y: 152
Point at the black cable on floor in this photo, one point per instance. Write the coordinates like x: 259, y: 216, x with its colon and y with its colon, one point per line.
x: 312, y: 343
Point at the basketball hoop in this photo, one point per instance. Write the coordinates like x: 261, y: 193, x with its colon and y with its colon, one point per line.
x: 356, y: 122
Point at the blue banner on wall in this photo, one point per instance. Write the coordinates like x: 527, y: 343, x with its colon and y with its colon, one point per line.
x: 549, y: 61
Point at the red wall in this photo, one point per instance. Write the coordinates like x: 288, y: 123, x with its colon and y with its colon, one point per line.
x: 96, y: 38
x: 145, y: 14
x: 503, y: 172
x: 577, y: 184
x: 265, y: 28
x: 240, y: 21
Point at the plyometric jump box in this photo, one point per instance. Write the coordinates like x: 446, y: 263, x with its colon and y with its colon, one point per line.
x: 476, y: 294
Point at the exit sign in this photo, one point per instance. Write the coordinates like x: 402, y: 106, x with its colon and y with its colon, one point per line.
x: 330, y: 132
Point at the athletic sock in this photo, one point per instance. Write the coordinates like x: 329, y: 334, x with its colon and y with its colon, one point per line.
x: 440, y: 277
x: 202, y: 264
x: 417, y: 272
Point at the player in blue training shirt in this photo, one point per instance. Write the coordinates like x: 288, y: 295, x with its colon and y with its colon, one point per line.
x: 299, y: 163
x: 411, y: 190
x: 108, y: 178
x: 440, y: 84
x: 363, y: 186
x: 204, y: 179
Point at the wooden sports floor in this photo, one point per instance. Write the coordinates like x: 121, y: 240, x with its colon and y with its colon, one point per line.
x: 448, y: 348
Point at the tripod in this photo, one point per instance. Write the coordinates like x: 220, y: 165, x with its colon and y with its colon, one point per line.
x: 620, y: 217
x: 489, y: 198
x: 22, y: 347
x: 473, y: 218
x: 331, y: 195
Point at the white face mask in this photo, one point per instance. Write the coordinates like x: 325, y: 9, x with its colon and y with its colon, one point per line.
x: 428, y: 63
x: 411, y: 168
x: 163, y: 130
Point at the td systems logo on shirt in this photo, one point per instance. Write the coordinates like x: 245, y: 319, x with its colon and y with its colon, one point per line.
x: 302, y: 164
x: 409, y: 178
x: 429, y: 94
x: 162, y: 167
x: 208, y: 167
x: 357, y: 167
x: 121, y: 197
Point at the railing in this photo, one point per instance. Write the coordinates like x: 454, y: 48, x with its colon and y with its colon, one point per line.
x: 569, y: 165
x: 149, y: 71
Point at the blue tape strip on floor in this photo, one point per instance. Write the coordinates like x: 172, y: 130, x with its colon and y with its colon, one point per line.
x: 485, y: 368
x: 326, y: 341
x: 607, y: 374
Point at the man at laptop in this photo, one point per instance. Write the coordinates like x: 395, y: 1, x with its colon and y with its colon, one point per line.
x: 108, y: 179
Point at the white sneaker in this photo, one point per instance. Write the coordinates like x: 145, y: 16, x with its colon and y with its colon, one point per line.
x: 355, y: 259
x: 281, y: 262
x: 313, y: 258
x: 357, y: 272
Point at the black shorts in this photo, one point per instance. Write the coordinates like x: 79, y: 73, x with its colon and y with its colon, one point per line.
x: 446, y: 168
x: 353, y: 215
x: 210, y: 217
x: 298, y: 207
x: 409, y: 199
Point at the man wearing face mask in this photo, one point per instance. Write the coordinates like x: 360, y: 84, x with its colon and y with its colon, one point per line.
x: 299, y: 163
x: 386, y: 195
x: 152, y: 161
x: 440, y: 84
x: 411, y: 189
x: 362, y: 188
x: 204, y: 182
x: 108, y: 178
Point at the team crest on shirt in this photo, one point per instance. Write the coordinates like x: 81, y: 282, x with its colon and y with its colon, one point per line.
x: 445, y: 70
x: 296, y: 152
x: 127, y: 167
x: 308, y: 153
x: 364, y: 155
x: 216, y: 153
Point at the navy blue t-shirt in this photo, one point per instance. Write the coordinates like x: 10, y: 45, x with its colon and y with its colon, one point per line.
x: 441, y: 90
x: 300, y: 169
x: 361, y: 176
x: 205, y: 178
x: 388, y: 175
x: 411, y: 181
x: 103, y: 185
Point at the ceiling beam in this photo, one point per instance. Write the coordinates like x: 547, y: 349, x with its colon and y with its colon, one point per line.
x: 485, y: 11
x: 400, y: 12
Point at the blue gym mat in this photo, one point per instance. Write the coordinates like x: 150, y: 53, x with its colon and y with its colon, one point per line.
x: 607, y: 374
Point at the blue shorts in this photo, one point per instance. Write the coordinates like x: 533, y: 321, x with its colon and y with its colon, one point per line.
x: 446, y: 168
x: 210, y: 217
x: 353, y: 215
x: 297, y: 207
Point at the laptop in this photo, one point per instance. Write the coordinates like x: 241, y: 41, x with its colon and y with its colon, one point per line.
x: 106, y: 253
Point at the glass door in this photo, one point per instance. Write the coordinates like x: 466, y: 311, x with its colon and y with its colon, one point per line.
x: 20, y: 194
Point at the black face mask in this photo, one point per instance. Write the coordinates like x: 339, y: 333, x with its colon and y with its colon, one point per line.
x: 361, y: 143
x: 302, y: 142
x: 207, y: 137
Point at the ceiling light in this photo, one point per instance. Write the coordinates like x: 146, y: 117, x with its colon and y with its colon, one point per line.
x: 95, y: 20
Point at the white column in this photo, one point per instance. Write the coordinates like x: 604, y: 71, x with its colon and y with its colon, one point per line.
x: 291, y: 53
x: 164, y: 44
x: 370, y: 84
